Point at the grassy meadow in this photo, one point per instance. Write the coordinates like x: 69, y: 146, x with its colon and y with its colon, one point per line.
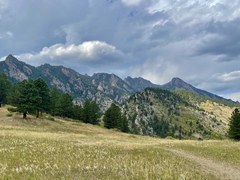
x: 56, y: 149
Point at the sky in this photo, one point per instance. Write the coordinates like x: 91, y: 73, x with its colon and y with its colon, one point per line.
x: 195, y: 40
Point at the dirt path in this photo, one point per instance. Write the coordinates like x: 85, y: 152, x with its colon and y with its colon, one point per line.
x: 220, y: 170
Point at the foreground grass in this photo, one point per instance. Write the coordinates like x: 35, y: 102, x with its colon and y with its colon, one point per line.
x: 43, y: 149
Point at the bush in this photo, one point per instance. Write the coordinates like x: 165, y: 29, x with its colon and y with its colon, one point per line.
x: 12, y: 109
x: 50, y: 118
x: 9, y: 115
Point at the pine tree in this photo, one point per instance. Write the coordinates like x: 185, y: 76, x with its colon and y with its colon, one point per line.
x: 91, y: 112
x: 77, y: 112
x: 124, y: 127
x: 4, y: 88
x: 113, y: 118
x: 43, y: 92
x: 54, y: 97
x: 26, y: 97
x: 234, y: 130
x: 64, y: 106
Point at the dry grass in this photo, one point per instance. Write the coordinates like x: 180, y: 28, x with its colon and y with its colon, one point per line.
x: 44, y: 149
x: 219, y: 111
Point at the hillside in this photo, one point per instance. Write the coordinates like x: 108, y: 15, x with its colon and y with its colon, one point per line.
x: 53, y: 149
x: 177, y: 113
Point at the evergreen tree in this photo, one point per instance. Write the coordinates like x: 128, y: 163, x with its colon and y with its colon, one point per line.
x: 26, y: 97
x: 124, y: 127
x: 91, y: 112
x: 64, y: 106
x: 95, y: 113
x: 77, y: 112
x: 4, y: 88
x: 113, y: 118
x: 160, y: 127
x: 234, y: 130
x: 54, y: 98
x: 43, y: 92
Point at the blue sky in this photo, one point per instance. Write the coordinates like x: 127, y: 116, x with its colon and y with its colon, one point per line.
x: 196, y: 40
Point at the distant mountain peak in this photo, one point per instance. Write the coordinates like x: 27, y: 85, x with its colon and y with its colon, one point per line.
x: 176, y: 80
x: 177, y: 83
x: 11, y: 58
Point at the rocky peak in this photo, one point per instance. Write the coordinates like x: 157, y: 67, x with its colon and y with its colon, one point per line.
x: 10, y: 59
x: 139, y: 84
x: 177, y: 83
x: 106, y: 76
x: 17, y: 70
x: 108, y: 79
x: 112, y: 85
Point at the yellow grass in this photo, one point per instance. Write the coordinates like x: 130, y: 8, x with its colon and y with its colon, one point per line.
x: 219, y: 111
x: 44, y: 149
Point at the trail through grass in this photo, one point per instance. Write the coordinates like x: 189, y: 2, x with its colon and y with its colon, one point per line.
x: 221, y: 170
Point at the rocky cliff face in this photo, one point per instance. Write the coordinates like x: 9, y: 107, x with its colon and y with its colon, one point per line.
x: 16, y: 70
x: 112, y: 86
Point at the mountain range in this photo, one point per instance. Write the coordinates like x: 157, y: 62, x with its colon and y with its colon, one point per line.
x: 102, y: 87
x: 170, y: 109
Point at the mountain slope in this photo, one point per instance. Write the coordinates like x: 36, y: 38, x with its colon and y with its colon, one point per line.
x: 112, y: 86
x: 179, y: 84
x: 65, y: 79
x: 164, y: 113
x: 17, y: 70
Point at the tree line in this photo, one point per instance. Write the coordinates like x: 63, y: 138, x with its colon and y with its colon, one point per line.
x: 35, y: 97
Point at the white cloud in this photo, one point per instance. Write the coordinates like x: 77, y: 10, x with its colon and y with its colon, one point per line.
x: 235, y: 75
x: 233, y: 96
x: 87, y: 57
x: 89, y: 50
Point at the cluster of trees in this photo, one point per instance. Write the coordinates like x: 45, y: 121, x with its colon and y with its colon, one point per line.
x: 234, y: 130
x: 34, y: 97
x: 160, y: 127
